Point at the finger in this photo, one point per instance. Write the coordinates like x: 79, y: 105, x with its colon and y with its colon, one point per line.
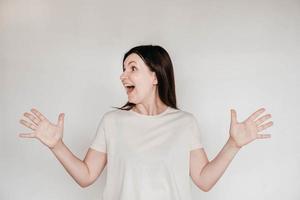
x: 60, y: 121
x: 264, y: 126
x: 262, y: 119
x: 27, y: 135
x: 27, y: 124
x: 38, y: 114
x: 256, y: 114
x: 233, y: 116
x: 32, y: 118
x: 263, y: 136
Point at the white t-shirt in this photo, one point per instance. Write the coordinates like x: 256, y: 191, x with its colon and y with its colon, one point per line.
x: 147, y: 155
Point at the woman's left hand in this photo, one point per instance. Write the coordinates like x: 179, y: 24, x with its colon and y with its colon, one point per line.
x: 248, y: 130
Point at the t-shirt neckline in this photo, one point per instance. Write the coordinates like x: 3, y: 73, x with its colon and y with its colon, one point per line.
x: 151, y: 116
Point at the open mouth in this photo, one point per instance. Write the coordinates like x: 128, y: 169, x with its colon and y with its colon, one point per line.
x: 129, y: 88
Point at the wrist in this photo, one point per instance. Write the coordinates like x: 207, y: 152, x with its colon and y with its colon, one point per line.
x: 57, y: 146
x: 233, y: 144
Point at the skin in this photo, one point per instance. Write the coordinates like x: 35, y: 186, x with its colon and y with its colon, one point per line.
x: 203, y: 172
x: 145, y: 94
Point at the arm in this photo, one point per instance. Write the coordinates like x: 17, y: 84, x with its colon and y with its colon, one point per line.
x: 205, y: 174
x: 83, y: 172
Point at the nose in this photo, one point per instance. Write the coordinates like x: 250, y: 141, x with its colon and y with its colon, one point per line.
x: 123, y: 76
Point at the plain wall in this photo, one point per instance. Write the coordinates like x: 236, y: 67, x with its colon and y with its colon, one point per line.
x: 66, y: 56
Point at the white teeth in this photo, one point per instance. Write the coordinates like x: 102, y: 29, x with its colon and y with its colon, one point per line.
x: 127, y: 84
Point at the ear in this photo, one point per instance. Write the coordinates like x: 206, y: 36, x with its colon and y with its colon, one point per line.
x: 155, y: 82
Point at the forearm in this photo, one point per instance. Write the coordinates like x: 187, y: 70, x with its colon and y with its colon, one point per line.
x: 74, y: 166
x: 213, y: 170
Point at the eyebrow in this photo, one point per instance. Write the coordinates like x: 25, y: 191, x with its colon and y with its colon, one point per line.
x: 129, y: 64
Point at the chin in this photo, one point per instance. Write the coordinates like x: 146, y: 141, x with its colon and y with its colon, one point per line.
x: 132, y: 101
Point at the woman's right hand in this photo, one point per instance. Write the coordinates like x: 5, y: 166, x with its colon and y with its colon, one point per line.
x: 48, y: 133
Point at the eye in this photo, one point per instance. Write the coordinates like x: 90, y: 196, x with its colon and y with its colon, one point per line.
x: 132, y: 67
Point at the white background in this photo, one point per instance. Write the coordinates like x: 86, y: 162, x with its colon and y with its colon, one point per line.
x: 66, y: 56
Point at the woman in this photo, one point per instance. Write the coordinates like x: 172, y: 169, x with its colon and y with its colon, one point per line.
x: 151, y: 148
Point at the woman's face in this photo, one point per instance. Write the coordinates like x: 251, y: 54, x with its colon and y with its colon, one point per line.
x: 137, y: 74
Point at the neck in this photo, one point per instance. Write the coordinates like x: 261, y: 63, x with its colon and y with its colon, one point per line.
x: 153, y: 106
x: 149, y: 109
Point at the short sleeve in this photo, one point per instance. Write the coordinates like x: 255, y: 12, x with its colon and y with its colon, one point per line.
x: 99, y: 141
x: 195, y: 136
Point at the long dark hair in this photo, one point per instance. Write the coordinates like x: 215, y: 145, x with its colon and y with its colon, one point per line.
x: 158, y: 61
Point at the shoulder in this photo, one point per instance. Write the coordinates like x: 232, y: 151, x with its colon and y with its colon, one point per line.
x: 183, y: 115
x: 113, y: 113
x: 173, y: 113
x: 108, y: 117
x: 182, y: 112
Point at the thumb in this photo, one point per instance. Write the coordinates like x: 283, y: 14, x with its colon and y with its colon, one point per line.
x: 60, y: 121
x: 233, y: 116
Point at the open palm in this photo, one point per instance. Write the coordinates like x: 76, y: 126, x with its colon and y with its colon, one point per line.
x: 248, y: 130
x: 47, y: 132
